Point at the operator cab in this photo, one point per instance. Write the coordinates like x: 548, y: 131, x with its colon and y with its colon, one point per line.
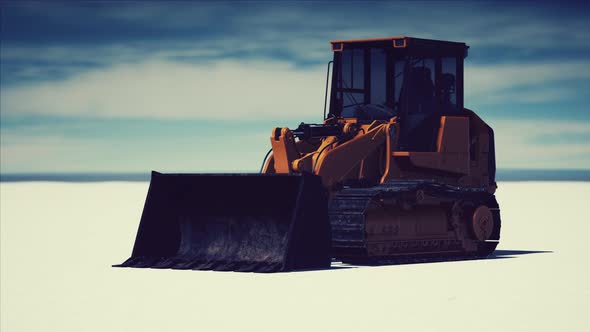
x: 417, y: 80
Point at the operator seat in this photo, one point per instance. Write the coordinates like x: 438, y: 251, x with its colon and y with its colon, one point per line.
x: 421, y: 119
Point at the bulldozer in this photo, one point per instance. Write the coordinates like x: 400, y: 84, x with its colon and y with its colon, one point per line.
x: 398, y: 170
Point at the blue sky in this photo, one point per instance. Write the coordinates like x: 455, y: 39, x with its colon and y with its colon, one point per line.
x: 187, y: 86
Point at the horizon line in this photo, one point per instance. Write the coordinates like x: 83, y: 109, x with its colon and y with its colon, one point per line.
x: 503, y: 174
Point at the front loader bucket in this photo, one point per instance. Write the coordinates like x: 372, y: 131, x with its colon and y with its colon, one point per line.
x: 233, y: 222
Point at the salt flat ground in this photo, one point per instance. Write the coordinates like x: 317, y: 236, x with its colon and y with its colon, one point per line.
x: 58, y: 241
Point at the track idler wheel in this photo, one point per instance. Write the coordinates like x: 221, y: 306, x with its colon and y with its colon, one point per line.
x: 482, y: 223
x: 485, y: 225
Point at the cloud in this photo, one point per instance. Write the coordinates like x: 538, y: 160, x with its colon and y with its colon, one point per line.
x: 529, y: 83
x: 220, y: 151
x: 226, y: 89
x: 296, y: 34
x: 519, y: 144
x: 524, y: 144
x: 220, y: 90
x: 190, y: 39
x: 301, y: 30
x: 250, y: 62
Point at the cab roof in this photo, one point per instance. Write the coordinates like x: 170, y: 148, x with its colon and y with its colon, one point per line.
x: 403, y: 43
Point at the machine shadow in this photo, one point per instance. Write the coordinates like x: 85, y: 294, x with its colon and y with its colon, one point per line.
x: 339, y: 266
x: 515, y: 253
x: 498, y: 254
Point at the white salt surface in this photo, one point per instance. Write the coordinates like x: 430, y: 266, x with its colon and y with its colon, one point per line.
x: 59, y: 240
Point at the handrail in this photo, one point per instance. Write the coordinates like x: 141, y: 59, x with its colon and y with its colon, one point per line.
x: 326, y: 93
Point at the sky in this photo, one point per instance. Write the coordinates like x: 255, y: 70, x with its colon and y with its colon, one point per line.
x: 198, y: 86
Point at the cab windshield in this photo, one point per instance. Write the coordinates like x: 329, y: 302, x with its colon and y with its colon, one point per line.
x: 359, y: 84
